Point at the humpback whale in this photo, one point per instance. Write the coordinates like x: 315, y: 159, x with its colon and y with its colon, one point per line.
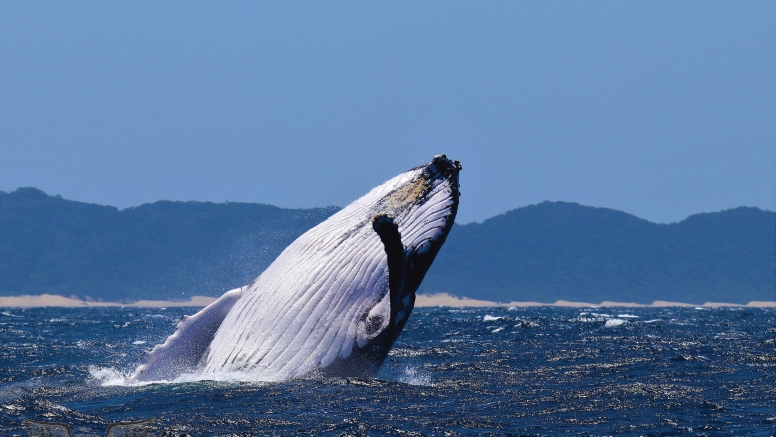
x: 334, y: 301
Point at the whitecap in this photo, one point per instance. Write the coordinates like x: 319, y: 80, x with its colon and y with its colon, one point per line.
x: 489, y: 318
x: 587, y: 319
x: 627, y: 316
x: 522, y: 323
x: 139, y: 342
x: 611, y: 323
x: 497, y: 330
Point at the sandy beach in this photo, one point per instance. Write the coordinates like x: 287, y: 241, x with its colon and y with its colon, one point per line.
x: 443, y: 299
x: 423, y: 300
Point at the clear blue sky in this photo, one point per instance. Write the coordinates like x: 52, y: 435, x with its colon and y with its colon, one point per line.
x: 659, y: 109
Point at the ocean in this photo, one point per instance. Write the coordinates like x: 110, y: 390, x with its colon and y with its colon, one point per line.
x: 538, y: 371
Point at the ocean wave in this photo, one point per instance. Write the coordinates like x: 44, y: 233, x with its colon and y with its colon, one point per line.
x: 611, y: 323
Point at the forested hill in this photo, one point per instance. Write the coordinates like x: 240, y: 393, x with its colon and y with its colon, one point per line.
x: 157, y: 250
x: 558, y: 250
x: 543, y: 252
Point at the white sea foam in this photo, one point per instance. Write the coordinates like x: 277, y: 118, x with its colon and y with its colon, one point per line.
x: 139, y: 342
x: 254, y: 377
x: 489, y: 318
x: 497, y: 330
x: 588, y: 319
x: 53, y: 406
x: 108, y: 375
x: 413, y: 376
x: 611, y: 323
x: 627, y: 316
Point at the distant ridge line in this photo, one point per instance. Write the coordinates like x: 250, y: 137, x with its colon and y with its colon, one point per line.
x: 435, y: 300
x: 546, y: 252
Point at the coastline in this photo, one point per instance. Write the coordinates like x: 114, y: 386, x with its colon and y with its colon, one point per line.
x: 423, y: 300
x: 444, y: 299
x: 53, y: 300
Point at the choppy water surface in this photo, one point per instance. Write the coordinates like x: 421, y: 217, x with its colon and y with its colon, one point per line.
x: 491, y: 371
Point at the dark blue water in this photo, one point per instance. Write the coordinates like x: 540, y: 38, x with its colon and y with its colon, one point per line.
x: 493, y: 371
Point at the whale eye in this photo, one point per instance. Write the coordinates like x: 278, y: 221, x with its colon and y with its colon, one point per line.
x: 423, y: 247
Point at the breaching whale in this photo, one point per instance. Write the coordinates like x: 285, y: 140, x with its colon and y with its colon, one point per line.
x: 334, y: 301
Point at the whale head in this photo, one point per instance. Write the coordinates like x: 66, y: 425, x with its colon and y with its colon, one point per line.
x: 433, y: 217
x: 426, y: 216
x: 423, y: 202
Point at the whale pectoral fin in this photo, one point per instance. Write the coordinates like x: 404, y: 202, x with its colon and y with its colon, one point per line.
x: 389, y: 234
x: 183, y: 350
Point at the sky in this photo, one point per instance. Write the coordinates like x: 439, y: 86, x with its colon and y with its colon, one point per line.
x: 658, y: 109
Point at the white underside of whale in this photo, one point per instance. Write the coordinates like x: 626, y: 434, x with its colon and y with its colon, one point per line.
x: 309, y: 307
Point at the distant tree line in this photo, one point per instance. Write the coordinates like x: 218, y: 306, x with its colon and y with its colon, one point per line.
x: 558, y: 250
x: 157, y: 250
x: 544, y: 252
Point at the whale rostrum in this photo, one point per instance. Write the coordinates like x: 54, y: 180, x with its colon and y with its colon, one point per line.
x: 334, y: 301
